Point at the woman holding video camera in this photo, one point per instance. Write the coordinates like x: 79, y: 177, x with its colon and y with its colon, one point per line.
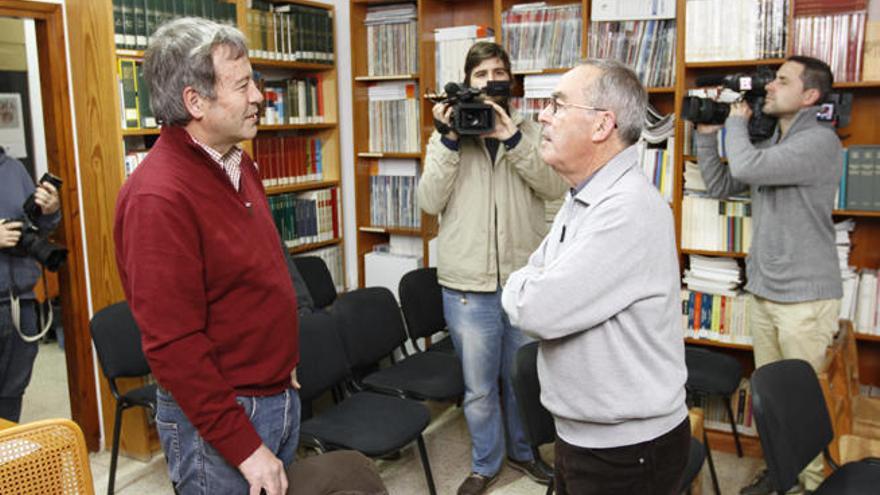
x: 489, y: 190
x: 18, y: 275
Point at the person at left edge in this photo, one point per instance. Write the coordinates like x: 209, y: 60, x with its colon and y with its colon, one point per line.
x: 18, y: 276
x: 197, y: 252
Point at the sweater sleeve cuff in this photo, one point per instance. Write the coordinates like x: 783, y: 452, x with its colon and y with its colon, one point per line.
x: 512, y: 141
x: 236, y: 448
x: 450, y: 144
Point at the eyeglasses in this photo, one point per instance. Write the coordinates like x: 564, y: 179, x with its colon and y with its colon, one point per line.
x: 555, y: 105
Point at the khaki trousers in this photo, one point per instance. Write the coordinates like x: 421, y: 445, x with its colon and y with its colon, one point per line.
x: 794, y: 331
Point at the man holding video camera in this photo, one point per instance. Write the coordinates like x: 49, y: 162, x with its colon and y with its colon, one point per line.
x: 792, y: 269
x: 489, y: 190
x: 18, y: 276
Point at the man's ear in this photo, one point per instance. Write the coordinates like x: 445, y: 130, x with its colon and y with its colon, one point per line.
x: 603, y: 129
x: 810, y: 97
x: 194, y: 102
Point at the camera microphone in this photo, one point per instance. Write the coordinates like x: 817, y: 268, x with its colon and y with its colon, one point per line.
x: 703, y: 81
x: 452, y: 89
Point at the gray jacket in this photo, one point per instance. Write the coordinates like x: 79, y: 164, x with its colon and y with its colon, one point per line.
x: 793, y: 257
x: 602, y: 293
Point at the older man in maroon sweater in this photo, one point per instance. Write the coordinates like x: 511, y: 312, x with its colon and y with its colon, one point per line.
x: 198, y: 255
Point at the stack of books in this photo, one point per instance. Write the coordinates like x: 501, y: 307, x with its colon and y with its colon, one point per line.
x: 392, y: 39
x: 394, y: 117
x: 538, y: 36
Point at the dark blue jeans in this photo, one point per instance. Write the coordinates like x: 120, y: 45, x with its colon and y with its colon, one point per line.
x: 486, y: 343
x: 16, y: 358
x: 195, y: 467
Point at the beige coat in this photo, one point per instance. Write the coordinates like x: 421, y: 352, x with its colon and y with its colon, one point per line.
x: 491, y: 217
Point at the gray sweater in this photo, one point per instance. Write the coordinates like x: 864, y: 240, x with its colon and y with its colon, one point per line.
x: 793, y: 257
x: 603, y: 297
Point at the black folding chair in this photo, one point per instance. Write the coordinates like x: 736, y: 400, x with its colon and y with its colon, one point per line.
x: 118, y: 344
x: 371, y: 423
x: 536, y: 419
x: 794, y: 427
x: 318, y: 279
x: 421, y: 300
x: 371, y: 328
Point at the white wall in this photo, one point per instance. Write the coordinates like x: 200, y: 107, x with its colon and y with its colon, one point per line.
x: 346, y: 139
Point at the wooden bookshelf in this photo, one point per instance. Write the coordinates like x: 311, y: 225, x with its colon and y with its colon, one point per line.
x: 863, y: 129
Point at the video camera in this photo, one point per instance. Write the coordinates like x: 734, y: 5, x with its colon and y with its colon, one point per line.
x: 470, y: 116
x: 33, y: 242
x: 751, y: 90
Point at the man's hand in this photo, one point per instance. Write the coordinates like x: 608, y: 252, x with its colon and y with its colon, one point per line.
x: 293, y: 381
x: 740, y: 109
x: 264, y: 471
x: 504, y: 126
x: 443, y: 113
x: 10, y: 233
x: 47, y: 197
x: 708, y: 128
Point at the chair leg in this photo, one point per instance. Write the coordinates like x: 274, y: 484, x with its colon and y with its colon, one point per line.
x: 739, y: 450
x: 550, y: 487
x: 423, y: 453
x: 114, y: 454
x: 711, y: 464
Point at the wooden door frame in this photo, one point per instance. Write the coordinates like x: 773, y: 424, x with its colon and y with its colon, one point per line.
x: 58, y: 121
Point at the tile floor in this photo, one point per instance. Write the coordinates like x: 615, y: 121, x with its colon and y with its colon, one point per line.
x: 447, y: 440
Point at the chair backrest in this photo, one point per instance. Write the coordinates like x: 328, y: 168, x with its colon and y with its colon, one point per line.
x: 696, y: 457
x: 711, y: 372
x: 322, y: 362
x: 537, y: 420
x: 117, y: 341
x: 47, y: 456
x: 791, y: 417
x: 318, y: 279
x: 370, y: 325
x: 421, y: 300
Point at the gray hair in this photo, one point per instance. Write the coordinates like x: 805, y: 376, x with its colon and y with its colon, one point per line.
x: 180, y: 55
x: 619, y: 90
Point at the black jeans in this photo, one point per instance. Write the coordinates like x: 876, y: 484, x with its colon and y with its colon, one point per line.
x: 652, y: 467
x: 16, y: 358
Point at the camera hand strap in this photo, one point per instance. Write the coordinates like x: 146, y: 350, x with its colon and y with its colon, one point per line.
x: 15, y: 308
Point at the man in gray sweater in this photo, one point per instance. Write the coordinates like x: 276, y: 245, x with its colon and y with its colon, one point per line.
x: 601, y: 293
x: 792, y: 268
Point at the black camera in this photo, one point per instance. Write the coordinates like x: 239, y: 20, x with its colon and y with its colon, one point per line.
x: 470, y: 116
x: 33, y: 242
x: 751, y: 89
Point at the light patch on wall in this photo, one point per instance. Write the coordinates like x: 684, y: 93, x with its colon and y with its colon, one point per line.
x: 12, y: 52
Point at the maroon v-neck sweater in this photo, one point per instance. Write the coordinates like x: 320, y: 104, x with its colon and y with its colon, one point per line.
x: 204, y: 274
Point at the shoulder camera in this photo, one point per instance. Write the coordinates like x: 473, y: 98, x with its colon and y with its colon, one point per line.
x: 750, y: 86
x: 470, y: 115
